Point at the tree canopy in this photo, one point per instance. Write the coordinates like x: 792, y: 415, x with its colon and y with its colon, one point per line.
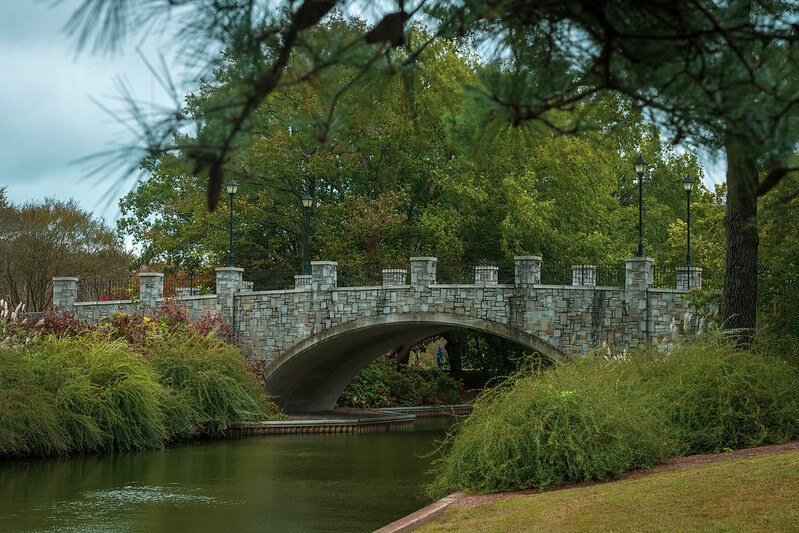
x: 717, y: 74
x: 41, y: 240
x: 399, y: 177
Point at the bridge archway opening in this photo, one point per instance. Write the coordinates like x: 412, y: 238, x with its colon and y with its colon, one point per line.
x: 310, y: 376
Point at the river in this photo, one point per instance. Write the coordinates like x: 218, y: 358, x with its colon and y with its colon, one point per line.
x: 277, y: 483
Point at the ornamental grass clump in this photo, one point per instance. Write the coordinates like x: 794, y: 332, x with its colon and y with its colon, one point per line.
x: 577, y: 422
x: 210, y: 384
x: 63, y: 395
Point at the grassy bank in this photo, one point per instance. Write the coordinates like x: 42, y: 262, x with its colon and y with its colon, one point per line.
x: 136, y: 382
x: 756, y: 494
x: 595, y: 419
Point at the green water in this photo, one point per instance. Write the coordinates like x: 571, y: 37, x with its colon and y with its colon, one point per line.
x: 281, y: 483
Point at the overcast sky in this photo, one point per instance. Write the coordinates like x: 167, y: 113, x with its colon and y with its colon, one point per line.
x: 47, y: 116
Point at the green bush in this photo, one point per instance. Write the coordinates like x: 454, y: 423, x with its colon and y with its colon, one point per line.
x: 381, y: 384
x: 596, y: 419
x: 578, y: 422
x: 716, y: 396
x: 84, y: 394
x: 69, y: 390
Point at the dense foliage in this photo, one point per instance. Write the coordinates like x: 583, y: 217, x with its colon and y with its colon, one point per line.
x: 135, y: 382
x: 382, y: 384
x: 40, y: 240
x: 593, y: 420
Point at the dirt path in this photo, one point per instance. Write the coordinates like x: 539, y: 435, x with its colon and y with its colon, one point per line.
x: 678, y: 463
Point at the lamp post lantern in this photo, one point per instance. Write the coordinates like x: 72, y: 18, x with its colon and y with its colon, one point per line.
x: 307, y: 203
x: 232, y: 188
x: 688, y: 185
x: 640, y: 168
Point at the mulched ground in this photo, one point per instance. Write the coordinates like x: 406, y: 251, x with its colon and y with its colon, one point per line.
x: 679, y: 463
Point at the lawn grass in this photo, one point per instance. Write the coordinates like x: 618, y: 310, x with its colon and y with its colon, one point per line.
x: 754, y: 494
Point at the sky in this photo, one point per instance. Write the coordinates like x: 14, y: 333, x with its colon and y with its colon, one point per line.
x: 48, y: 118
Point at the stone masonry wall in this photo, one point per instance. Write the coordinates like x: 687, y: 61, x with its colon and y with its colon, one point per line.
x: 571, y: 319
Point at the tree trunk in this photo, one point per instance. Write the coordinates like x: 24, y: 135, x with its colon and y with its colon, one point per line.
x: 455, y: 348
x: 402, y: 353
x: 739, y: 301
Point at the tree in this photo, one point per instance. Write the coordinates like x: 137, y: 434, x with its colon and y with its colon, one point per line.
x: 721, y: 74
x: 41, y: 240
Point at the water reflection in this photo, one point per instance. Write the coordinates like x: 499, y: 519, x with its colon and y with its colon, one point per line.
x: 289, y: 483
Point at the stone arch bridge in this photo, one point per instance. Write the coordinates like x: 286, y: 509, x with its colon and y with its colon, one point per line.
x: 317, y: 336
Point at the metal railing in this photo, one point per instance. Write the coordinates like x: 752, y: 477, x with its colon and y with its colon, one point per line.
x: 93, y: 290
x: 271, y: 279
x: 367, y: 274
x: 464, y: 273
x: 562, y: 273
x: 189, y: 284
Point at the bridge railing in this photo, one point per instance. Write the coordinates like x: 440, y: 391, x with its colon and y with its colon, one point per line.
x: 271, y: 279
x: 189, y: 284
x: 108, y: 289
x: 469, y: 273
x: 582, y: 274
x: 371, y: 274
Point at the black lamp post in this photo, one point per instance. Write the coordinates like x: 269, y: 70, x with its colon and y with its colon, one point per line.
x: 688, y: 185
x: 307, y: 202
x: 640, y: 168
x: 232, y: 188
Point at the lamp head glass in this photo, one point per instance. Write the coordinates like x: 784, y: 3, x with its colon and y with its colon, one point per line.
x: 640, y: 165
x: 688, y: 184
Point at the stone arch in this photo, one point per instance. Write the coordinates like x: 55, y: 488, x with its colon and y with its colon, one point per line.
x: 311, y: 375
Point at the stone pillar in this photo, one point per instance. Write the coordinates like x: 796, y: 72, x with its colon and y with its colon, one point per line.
x: 229, y: 281
x: 65, y: 292
x: 686, y: 274
x: 583, y: 275
x: 528, y: 270
x: 302, y: 281
x: 486, y: 275
x: 394, y: 276
x: 639, y: 276
x: 324, y: 275
x: 151, y: 288
x: 423, y: 272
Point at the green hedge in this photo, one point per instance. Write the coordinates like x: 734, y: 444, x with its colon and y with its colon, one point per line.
x: 593, y: 420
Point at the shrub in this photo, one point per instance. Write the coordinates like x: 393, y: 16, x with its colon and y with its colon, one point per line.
x: 136, y: 382
x: 577, y: 422
x: 595, y: 419
x: 381, y: 384
x: 717, y: 396
x: 79, y: 395
x: 209, y: 382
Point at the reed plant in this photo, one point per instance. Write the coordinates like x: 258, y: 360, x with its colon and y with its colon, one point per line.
x: 210, y: 384
x: 79, y: 389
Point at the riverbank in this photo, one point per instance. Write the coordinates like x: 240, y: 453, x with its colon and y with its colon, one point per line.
x: 745, y: 490
x: 496, y: 512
